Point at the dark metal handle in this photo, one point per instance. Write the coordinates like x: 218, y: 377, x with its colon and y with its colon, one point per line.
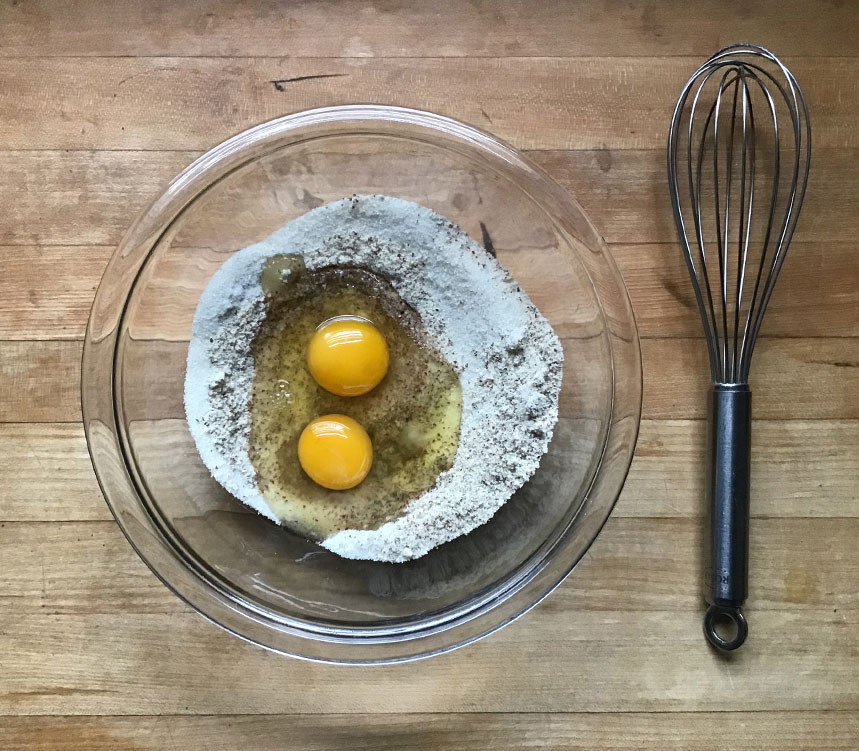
x: 728, y: 564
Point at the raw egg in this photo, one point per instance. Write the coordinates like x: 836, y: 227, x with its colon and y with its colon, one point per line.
x: 348, y: 356
x: 335, y: 452
x: 413, y: 414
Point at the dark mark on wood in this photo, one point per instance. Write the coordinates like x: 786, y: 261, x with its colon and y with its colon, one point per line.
x: 488, y: 119
x: 487, y: 240
x: 59, y: 691
x: 167, y: 69
x: 682, y: 293
x: 604, y: 159
x: 836, y: 363
x: 279, y: 83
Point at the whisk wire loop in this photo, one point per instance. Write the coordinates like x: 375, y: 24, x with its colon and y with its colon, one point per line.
x: 727, y: 143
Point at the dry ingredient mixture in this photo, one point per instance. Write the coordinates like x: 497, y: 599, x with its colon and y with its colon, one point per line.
x: 508, y: 358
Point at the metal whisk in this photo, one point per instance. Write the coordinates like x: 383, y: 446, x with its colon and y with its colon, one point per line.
x: 738, y: 159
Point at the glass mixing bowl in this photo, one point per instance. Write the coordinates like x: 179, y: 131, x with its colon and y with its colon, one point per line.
x: 259, y: 580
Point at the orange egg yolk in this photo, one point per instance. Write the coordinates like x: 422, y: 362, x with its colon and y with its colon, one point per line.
x: 348, y: 356
x: 335, y: 452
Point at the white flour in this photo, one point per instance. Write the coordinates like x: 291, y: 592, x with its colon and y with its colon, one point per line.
x: 508, y: 357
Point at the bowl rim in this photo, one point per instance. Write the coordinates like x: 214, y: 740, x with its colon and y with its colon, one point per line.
x: 104, y: 427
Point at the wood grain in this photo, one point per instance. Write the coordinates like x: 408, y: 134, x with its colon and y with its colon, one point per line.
x: 91, y: 198
x: 799, y: 469
x: 799, y: 378
x: 600, y: 661
x: 629, y: 731
x: 442, y: 28
x: 47, y: 291
x: 39, y: 381
x: 624, y: 193
x: 89, y: 568
x: 46, y: 474
x: 580, y: 103
x: 817, y: 293
x: 792, y: 378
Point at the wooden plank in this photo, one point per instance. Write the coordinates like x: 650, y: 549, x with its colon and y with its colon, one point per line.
x: 798, y: 378
x: 46, y: 474
x: 46, y: 292
x: 799, y: 469
x: 86, y: 198
x: 621, y: 731
x: 549, y: 661
x: 91, y: 198
x: 534, y: 103
x: 444, y: 28
x: 792, y: 378
x: 625, y: 193
x: 40, y: 381
x: 817, y: 292
x: 76, y: 567
x: 633, y: 562
x: 88, y: 567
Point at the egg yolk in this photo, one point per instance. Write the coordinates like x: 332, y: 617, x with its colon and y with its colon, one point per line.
x: 348, y: 356
x: 335, y: 452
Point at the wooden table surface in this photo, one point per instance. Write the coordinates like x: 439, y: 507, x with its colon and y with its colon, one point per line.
x: 102, y: 103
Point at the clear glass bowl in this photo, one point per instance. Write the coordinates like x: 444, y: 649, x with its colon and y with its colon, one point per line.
x: 258, y: 580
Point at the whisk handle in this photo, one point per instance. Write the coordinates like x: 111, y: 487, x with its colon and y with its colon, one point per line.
x: 728, y: 564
